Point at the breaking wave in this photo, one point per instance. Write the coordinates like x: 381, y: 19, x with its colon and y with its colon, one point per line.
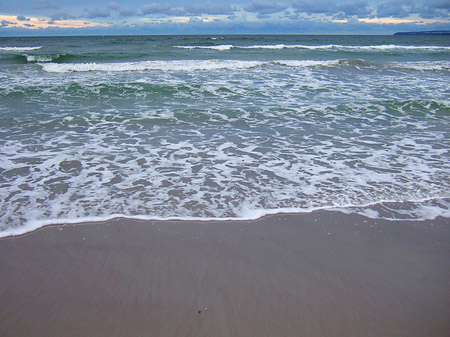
x: 329, y: 47
x: 177, y: 65
x: 19, y: 49
x: 47, y: 64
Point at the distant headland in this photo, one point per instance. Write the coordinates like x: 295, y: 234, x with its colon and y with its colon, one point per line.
x: 432, y: 32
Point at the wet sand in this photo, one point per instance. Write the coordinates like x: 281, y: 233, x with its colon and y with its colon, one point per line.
x: 319, y: 274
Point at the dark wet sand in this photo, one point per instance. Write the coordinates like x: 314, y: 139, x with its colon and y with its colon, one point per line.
x: 320, y: 274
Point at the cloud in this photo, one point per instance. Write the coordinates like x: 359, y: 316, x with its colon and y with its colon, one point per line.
x: 45, y: 4
x: 393, y: 9
x: 123, y: 12
x: 355, y: 8
x: 114, y: 6
x: 187, y: 10
x: 353, y: 20
x: 97, y: 13
x: 265, y: 8
x: 22, y: 18
x: 127, y: 12
x: 61, y: 16
x: 334, y: 8
x: 13, y: 24
x: 208, y: 9
x: 155, y: 8
x: 439, y: 4
x: 314, y: 7
x: 433, y: 9
x: 5, y: 23
x: 428, y: 10
x: 217, y: 16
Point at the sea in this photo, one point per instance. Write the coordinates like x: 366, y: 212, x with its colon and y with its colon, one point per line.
x: 222, y: 127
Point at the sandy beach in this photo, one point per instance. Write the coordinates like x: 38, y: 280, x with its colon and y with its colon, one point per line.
x: 318, y: 274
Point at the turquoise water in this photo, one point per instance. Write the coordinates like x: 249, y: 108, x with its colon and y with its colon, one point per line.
x: 222, y: 127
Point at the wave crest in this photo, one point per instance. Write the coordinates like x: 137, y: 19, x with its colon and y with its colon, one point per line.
x: 47, y: 64
x: 19, y: 49
x: 177, y: 65
x: 329, y: 47
x: 43, y: 58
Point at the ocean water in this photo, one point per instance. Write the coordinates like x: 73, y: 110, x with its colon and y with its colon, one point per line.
x: 222, y: 127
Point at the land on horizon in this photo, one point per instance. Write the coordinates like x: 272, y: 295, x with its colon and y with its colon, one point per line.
x: 428, y: 32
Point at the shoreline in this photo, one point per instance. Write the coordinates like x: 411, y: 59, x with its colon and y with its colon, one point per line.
x: 317, y: 274
x: 252, y: 215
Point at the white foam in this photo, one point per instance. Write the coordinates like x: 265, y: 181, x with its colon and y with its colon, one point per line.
x: 397, y: 47
x: 422, y: 65
x: 329, y: 47
x: 423, y: 211
x: 216, y: 47
x: 177, y: 65
x: 306, y: 63
x: 39, y: 58
x: 19, y: 49
x: 222, y: 144
x: 275, y: 46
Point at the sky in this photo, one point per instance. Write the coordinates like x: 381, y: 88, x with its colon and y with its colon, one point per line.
x: 93, y: 17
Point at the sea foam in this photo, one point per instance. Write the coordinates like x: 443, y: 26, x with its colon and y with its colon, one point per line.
x: 425, y: 209
x: 329, y: 47
x: 210, y: 65
x: 176, y: 65
x: 41, y: 58
x: 19, y: 49
x: 216, y: 47
x: 152, y: 133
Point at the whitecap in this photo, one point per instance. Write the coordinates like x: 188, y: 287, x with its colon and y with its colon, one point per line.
x: 422, y: 65
x: 328, y: 47
x: 216, y: 47
x: 19, y: 49
x: 177, y: 65
x: 39, y: 58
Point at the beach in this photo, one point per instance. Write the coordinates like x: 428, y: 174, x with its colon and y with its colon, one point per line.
x: 315, y: 274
